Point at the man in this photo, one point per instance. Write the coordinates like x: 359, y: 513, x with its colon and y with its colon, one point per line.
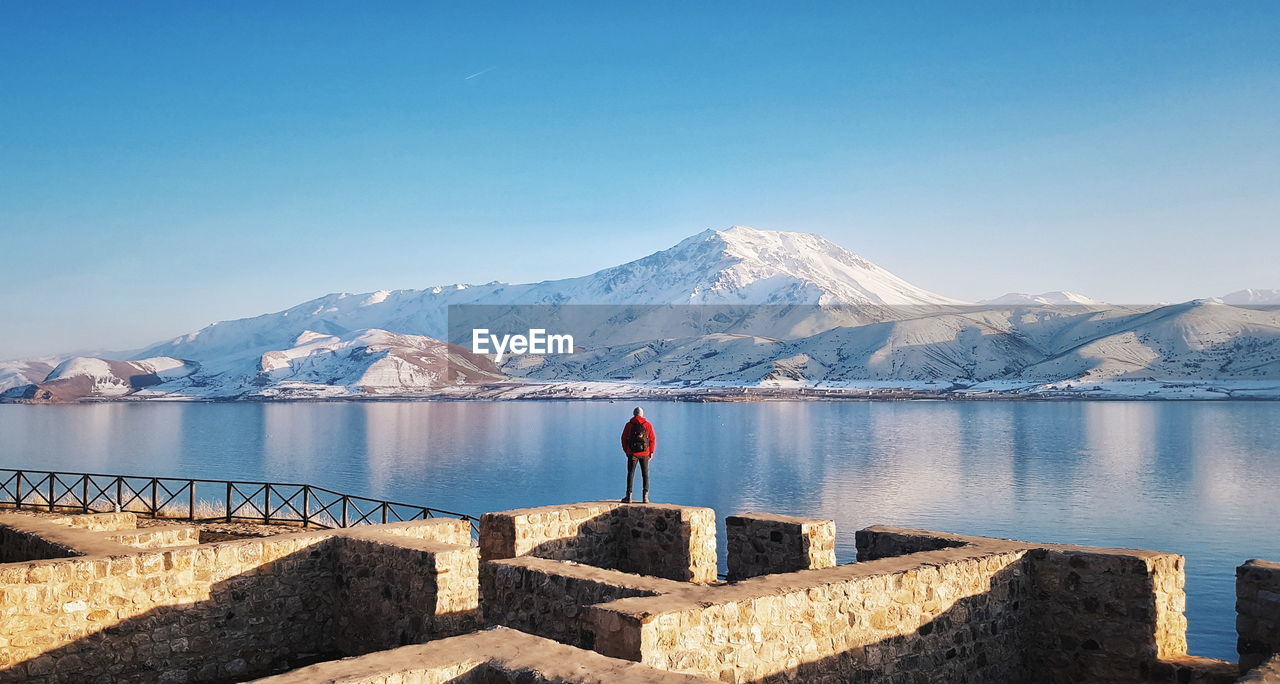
x: 638, y: 442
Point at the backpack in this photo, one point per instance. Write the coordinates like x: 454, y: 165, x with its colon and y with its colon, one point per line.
x: 638, y: 440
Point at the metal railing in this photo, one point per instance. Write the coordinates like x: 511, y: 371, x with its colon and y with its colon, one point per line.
x: 203, y: 500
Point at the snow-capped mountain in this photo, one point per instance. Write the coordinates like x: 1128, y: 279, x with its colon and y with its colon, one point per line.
x: 740, y: 265
x: 1128, y: 351
x: 1198, y: 340
x: 1054, y: 298
x: 365, y: 362
x: 1252, y: 298
x: 25, y: 371
x: 84, y: 377
x: 776, y: 309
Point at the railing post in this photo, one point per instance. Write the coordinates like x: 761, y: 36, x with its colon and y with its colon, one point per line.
x: 24, y: 486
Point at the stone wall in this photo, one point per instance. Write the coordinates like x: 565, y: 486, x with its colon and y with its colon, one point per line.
x: 1189, y: 669
x: 443, y: 530
x: 1257, y: 612
x: 100, y: 522
x: 661, y: 540
x: 494, y: 656
x: 1266, y: 673
x: 208, y: 612
x: 632, y: 582
x: 921, y: 606
x: 881, y: 541
x: 24, y: 538
x: 578, y: 532
x: 156, y: 537
x: 18, y: 544
x: 377, y: 576
x: 766, y: 544
x: 1101, y: 615
x: 228, y: 610
x: 947, y: 615
x: 547, y: 598
x: 1096, y: 614
x: 1106, y: 615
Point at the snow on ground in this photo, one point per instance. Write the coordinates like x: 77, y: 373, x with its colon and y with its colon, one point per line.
x: 20, y: 372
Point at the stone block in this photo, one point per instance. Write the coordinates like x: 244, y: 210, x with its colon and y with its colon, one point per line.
x: 156, y: 537
x: 99, y: 522
x: 549, y: 598
x: 1258, y: 609
x: 661, y: 540
x: 1267, y: 672
x: 764, y: 544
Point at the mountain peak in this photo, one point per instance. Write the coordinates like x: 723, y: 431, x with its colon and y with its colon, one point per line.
x: 827, y: 272
x: 737, y: 265
x: 748, y: 234
x: 741, y: 232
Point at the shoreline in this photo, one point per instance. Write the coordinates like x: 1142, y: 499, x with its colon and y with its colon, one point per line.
x: 558, y: 392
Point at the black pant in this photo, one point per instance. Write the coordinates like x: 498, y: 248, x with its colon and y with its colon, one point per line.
x: 644, y: 471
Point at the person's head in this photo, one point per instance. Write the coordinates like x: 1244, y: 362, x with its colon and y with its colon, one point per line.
x: 637, y: 412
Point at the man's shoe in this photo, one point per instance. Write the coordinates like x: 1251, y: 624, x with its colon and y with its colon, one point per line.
x: 645, y: 498
x: 626, y: 499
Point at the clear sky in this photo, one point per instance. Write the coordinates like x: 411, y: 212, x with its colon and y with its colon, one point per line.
x: 166, y: 165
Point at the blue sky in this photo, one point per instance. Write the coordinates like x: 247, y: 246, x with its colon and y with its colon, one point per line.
x: 166, y: 165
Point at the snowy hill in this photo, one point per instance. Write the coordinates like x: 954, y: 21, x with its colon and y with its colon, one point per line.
x: 1252, y: 297
x: 87, y: 377
x: 773, y: 309
x: 1055, y: 298
x: 1214, y: 347
x: 25, y: 371
x: 1200, y: 340
x: 365, y: 362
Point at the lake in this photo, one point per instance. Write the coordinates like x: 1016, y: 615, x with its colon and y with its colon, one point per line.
x: 1196, y: 478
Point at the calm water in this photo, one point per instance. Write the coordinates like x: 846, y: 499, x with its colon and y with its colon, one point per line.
x: 1200, y: 479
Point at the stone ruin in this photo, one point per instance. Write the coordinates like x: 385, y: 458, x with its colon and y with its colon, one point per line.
x: 599, y: 592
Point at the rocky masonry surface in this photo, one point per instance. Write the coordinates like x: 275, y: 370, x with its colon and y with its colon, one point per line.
x: 599, y: 592
x: 766, y: 543
x: 84, y: 607
x: 1258, y: 611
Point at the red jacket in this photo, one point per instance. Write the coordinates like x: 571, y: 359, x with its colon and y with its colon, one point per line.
x: 648, y: 427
